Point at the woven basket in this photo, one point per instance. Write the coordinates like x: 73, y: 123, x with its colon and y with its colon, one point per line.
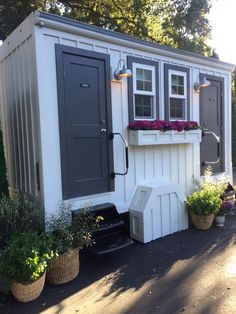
x: 28, y: 292
x: 64, y: 269
x: 202, y: 222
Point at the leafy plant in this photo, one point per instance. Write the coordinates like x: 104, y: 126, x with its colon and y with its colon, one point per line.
x: 206, y: 199
x: 224, y: 209
x: 67, y: 233
x: 18, y: 214
x: 26, y: 257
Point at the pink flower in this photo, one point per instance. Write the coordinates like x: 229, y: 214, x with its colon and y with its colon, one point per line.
x: 163, y: 125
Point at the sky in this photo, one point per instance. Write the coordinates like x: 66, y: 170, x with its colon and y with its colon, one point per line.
x: 223, y: 22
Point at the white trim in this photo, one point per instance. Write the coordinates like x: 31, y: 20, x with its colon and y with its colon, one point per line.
x: 152, y: 93
x: 176, y: 96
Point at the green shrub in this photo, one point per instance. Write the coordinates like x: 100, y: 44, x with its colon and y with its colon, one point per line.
x: 67, y: 233
x: 18, y: 214
x: 26, y: 257
x: 3, y: 170
x: 206, y: 199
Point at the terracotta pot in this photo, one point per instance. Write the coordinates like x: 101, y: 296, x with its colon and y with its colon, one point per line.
x: 202, y: 222
x: 64, y: 268
x: 28, y: 292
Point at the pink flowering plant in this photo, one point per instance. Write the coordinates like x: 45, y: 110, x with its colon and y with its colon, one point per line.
x: 224, y: 208
x: 162, y: 125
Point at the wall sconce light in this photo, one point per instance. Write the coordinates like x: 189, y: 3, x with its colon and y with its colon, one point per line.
x: 124, y: 72
x: 204, y: 83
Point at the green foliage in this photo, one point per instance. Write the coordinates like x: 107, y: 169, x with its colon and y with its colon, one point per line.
x: 3, y: 170
x: 18, y: 214
x: 206, y: 199
x: 26, y: 257
x: 67, y: 233
x: 181, y: 24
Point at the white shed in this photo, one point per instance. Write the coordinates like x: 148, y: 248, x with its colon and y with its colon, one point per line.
x: 61, y: 108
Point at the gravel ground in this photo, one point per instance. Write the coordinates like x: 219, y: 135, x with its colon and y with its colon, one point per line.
x: 190, y: 271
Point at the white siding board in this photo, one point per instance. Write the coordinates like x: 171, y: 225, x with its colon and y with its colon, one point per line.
x: 84, y: 45
x: 178, y: 163
x: 68, y: 42
x: 165, y: 214
x: 49, y: 126
x: 101, y: 49
x: 174, y: 219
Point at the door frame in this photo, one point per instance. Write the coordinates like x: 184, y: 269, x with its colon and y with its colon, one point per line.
x: 60, y: 50
x: 222, y: 113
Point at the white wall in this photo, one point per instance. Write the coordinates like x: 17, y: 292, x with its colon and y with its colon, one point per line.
x: 19, y: 108
x: 178, y: 163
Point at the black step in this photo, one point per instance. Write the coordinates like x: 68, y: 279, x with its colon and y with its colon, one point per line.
x: 110, y: 244
x: 111, y: 234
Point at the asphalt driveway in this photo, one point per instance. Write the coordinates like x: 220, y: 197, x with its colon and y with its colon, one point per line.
x: 190, y: 271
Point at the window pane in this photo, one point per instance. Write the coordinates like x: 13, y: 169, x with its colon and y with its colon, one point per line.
x: 139, y: 74
x: 147, y: 75
x: 180, y: 90
x: 139, y: 85
x: 177, y: 84
x: 174, y: 89
x: 174, y: 80
x: 144, y: 80
x: 177, y: 107
x: 148, y: 86
x: 143, y: 106
x: 180, y: 80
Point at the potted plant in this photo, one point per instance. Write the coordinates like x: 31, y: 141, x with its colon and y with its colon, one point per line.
x: 68, y: 237
x: 222, y: 212
x: 23, y: 263
x: 18, y: 214
x: 205, y: 202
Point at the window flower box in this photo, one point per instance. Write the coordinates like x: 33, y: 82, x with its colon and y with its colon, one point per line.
x: 156, y: 137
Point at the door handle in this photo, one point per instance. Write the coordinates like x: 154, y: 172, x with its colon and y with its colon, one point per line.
x: 103, y: 130
x: 113, y: 174
x: 217, y: 138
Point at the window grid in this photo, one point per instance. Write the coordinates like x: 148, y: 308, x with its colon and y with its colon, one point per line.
x: 144, y: 93
x: 177, y: 95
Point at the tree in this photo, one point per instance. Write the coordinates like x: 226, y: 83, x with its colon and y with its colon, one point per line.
x: 13, y: 12
x: 177, y: 23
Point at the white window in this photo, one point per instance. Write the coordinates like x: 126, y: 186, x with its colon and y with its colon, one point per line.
x: 177, y: 92
x: 144, y: 92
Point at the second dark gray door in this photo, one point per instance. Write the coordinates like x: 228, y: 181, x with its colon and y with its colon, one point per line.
x: 211, y: 120
x: 87, y: 160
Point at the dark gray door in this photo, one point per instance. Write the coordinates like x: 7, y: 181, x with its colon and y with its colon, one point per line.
x: 85, y: 122
x: 211, y: 120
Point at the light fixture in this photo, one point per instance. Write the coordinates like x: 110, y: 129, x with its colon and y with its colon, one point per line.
x: 204, y: 83
x: 124, y: 72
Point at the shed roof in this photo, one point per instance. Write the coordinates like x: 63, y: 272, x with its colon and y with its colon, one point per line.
x: 66, y: 24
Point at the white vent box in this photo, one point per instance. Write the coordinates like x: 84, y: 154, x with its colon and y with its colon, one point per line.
x: 157, y: 209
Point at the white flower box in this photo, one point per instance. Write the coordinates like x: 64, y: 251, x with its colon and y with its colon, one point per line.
x: 154, y: 137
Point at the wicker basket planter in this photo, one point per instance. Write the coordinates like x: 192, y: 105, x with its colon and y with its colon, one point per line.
x: 28, y: 292
x: 64, y: 269
x: 202, y: 222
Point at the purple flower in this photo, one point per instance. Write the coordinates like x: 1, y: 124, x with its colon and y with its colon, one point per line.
x: 163, y: 125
